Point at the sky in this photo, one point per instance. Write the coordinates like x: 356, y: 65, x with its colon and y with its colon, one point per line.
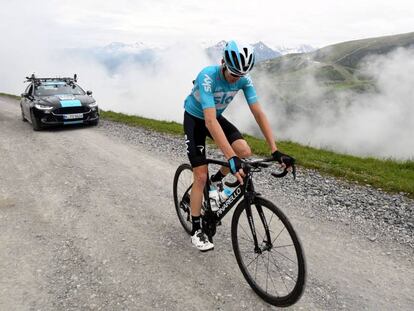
x: 94, y: 22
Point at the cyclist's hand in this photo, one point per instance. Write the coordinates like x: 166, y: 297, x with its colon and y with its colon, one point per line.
x: 285, y: 160
x: 236, y: 168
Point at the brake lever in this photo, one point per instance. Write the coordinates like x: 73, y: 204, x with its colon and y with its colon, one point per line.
x: 280, y: 175
x: 284, y: 173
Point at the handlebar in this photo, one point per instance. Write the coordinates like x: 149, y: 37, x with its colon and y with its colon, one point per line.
x: 258, y: 163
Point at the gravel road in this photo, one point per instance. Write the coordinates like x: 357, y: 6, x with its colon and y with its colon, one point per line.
x: 87, y: 222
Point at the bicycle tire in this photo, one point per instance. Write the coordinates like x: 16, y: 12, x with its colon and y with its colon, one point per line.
x: 238, y: 241
x: 183, y: 210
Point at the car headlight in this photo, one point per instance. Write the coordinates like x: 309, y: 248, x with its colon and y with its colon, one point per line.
x: 95, y: 104
x: 43, y: 107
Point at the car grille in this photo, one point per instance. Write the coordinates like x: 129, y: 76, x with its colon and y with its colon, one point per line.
x: 69, y: 110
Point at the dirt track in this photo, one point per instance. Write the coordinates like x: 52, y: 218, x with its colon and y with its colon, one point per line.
x: 87, y: 223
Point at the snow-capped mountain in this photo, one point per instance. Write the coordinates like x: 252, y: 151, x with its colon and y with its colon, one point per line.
x: 263, y: 52
x: 302, y: 48
x: 115, y: 54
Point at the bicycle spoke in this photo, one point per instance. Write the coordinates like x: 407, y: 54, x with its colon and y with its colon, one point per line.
x: 274, y: 260
x: 268, y: 275
x: 246, y: 233
x: 286, y: 257
x: 271, y: 218
x: 267, y: 270
x: 283, y: 246
x: 255, y: 272
x: 274, y: 286
x: 273, y: 242
x: 246, y: 239
x: 252, y: 261
x: 281, y: 276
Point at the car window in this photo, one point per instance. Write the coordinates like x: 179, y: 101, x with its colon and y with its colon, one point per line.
x: 58, y: 88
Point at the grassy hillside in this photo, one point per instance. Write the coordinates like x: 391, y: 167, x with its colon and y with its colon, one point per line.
x: 334, y: 64
x: 349, y: 54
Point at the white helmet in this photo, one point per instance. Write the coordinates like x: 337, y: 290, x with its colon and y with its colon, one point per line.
x: 239, y: 58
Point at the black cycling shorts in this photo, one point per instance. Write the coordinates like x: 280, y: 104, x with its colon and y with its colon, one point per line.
x: 195, y: 137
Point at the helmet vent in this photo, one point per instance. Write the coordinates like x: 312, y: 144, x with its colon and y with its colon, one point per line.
x: 235, y: 60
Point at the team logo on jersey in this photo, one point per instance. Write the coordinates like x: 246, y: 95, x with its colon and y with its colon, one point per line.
x: 207, y: 83
x: 249, y: 80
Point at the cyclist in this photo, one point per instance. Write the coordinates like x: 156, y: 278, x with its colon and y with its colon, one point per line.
x: 213, y: 90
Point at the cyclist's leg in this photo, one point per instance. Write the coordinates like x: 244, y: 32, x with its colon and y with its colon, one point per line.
x: 196, y: 196
x: 236, y: 140
x: 195, y: 139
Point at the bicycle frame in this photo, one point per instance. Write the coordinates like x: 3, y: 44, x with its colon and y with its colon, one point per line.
x: 247, y: 191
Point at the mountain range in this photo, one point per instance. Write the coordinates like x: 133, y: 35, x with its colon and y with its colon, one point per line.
x: 115, y: 54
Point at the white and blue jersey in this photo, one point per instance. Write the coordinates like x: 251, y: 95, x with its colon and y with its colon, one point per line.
x: 211, y: 90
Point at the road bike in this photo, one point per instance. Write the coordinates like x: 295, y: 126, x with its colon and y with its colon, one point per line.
x: 267, y: 248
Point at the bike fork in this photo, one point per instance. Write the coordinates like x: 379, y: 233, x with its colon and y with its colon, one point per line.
x: 265, y: 225
x: 252, y: 228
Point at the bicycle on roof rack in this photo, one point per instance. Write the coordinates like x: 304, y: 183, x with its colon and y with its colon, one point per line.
x: 266, y: 246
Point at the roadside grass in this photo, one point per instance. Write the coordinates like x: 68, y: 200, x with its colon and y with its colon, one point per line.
x: 10, y: 95
x: 388, y: 175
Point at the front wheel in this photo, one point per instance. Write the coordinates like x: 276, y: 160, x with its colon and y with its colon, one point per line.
x: 275, y: 269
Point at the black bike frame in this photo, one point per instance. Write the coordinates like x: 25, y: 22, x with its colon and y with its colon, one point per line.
x: 246, y: 190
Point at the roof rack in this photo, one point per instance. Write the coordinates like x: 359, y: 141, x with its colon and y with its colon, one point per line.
x: 38, y: 81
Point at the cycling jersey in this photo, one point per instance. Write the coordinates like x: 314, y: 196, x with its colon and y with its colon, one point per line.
x: 211, y: 90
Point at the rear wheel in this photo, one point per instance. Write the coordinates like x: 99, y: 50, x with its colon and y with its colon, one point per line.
x: 276, y: 269
x: 37, y: 126
x: 183, y: 182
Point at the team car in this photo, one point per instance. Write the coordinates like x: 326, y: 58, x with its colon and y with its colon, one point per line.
x: 57, y: 101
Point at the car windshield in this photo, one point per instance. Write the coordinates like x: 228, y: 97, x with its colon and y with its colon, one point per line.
x: 58, y: 88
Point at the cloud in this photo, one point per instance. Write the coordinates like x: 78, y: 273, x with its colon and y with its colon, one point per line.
x: 378, y: 124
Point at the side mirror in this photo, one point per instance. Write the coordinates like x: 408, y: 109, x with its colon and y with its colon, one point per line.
x: 89, y: 93
x: 24, y: 95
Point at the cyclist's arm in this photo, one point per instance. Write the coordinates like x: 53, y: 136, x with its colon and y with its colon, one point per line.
x: 264, y: 125
x: 216, y: 131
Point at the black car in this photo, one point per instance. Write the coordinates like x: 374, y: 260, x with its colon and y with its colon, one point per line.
x: 57, y: 101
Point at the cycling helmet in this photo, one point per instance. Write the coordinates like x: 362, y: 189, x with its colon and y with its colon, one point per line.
x: 239, y: 58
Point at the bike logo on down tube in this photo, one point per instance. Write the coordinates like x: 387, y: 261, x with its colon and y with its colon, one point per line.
x: 229, y: 200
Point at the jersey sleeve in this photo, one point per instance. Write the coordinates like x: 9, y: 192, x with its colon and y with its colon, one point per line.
x: 205, y: 88
x: 249, y: 90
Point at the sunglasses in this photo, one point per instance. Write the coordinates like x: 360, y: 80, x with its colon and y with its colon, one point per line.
x: 234, y: 76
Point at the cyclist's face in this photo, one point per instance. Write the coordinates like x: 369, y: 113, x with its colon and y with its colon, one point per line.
x: 231, y: 78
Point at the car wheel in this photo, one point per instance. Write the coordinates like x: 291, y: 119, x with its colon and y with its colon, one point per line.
x: 95, y: 122
x: 37, y: 126
x: 23, y: 117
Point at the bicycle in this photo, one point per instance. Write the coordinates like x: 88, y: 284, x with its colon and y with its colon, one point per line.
x: 260, y: 233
